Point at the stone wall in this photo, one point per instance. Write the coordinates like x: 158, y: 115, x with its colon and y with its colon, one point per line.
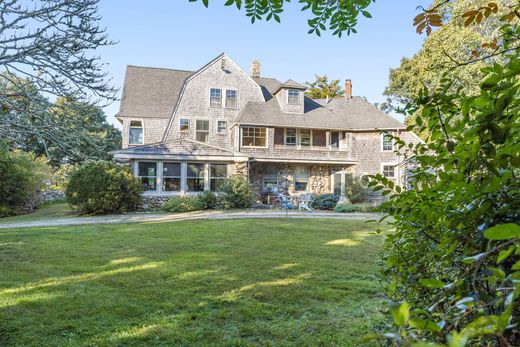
x: 154, y: 202
x: 319, y: 180
x: 49, y: 196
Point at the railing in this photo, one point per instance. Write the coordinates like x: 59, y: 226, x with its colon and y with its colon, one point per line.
x: 310, y: 148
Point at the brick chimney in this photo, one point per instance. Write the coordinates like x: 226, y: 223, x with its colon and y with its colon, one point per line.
x: 348, y: 88
x: 255, y: 68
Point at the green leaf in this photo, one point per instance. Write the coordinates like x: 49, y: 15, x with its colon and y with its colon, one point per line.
x: 425, y: 324
x: 401, y: 314
x: 504, y: 254
x: 431, y: 283
x: 516, y: 266
x: 503, y: 232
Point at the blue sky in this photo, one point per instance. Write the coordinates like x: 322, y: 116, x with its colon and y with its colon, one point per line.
x: 183, y: 35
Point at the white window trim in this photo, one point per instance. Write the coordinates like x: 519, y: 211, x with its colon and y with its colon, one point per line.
x: 163, y: 177
x: 225, y: 130
x: 130, y: 127
x: 222, y: 92
x: 299, y: 97
x: 241, y: 134
x: 224, y: 96
x: 189, y: 125
x: 298, y: 144
x: 219, y: 178
x: 300, y: 139
x: 158, y: 175
x: 285, y: 138
x: 209, y: 129
x: 396, y: 170
x: 382, y: 136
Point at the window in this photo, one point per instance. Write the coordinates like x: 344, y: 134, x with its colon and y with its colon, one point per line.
x: 231, y: 98
x: 301, y: 178
x: 147, y: 171
x: 254, y: 137
x: 195, y: 177
x: 334, y: 139
x: 215, y: 97
x: 202, y: 130
x: 221, y: 127
x: 217, y: 172
x: 389, y: 171
x: 136, y: 133
x: 184, y: 124
x: 171, y: 177
x: 387, y: 142
x: 293, y: 97
x: 305, y: 137
x: 290, y: 137
x: 270, y: 179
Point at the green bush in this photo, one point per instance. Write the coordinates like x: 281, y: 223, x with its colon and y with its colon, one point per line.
x: 103, y: 187
x: 325, y: 202
x: 345, y: 207
x: 208, y: 200
x: 21, y: 176
x: 357, y: 190
x: 184, y: 204
x: 236, y: 192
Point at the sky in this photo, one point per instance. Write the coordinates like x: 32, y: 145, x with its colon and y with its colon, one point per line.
x: 185, y: 35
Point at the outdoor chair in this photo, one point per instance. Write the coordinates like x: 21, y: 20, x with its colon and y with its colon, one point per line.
x: 285, y: 202
x: 305, y: 202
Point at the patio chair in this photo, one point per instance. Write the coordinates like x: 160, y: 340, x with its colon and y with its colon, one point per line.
x: 285, y: 202
x: 305, y: 202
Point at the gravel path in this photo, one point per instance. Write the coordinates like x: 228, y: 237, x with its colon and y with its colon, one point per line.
x: 167, y: 217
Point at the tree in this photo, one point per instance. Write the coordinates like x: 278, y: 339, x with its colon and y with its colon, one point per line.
x: 321, y: 88
x: 48, y: 51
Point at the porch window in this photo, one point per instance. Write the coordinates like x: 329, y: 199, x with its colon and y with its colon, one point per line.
x: 202, y: 130
x: 290, y: 137
x: 387, y: 142
x: 231, y: 98
x: 389, y: 171
x: 136, y: 133
x: 293, y: 97
x: 184, y: 124
x: 305, y: 137
x: 147, y: 172
x: 217, y: 172
x: 301, y: 178
x: 195, y: 177
x: 215, y: 97
x: 171, y: 177
x: 270, y: 178
x: 254, y: 137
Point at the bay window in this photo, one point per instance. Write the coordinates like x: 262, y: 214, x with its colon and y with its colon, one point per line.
x: 254, y: 137
x: 171, y: 177
x: 147, y: 172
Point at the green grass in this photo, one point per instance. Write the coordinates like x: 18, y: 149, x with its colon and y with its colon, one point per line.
x: 231, y: 283
x: 48, y: 211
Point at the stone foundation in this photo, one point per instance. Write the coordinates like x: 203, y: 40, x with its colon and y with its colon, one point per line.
x: 154, y: 202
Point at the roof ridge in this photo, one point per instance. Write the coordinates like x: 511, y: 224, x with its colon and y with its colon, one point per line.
x: 158, y: 68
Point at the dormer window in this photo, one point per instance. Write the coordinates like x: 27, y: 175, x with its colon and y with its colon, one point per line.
x: 293, y: 96
x: 231, y: 98
x: 215, y: 97
x: 136, y: 133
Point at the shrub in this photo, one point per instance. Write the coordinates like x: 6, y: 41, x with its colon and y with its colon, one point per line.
x: 184, y: 204
x: 236, y: 192
x: 60, y: 177
x: 103, y: 187
x: 208, y: 200
x: 356, y: 189
x: 21, y: 176
x: 325, y: 202
x: 345, y: 207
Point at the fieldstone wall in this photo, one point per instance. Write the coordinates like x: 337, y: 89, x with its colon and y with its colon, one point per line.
x: 154, y: 202
x: 49, y: 196
x: 319, y: 180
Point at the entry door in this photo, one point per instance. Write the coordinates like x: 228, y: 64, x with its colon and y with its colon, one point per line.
x: 334, y: 139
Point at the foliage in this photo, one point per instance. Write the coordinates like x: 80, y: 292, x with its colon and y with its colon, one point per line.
x: 346, y: 207
x: 184, y: 204
x: 236, y: 192
x: 21, y: 176
x: 357, y: 189
x: 321, y: 88
x: 49, y: 50
x: 103, y: 187
x: 61, y: 176
x: 208, y: 200
x: 254, y: 273
x: 325, y: 201
x: 338, y: 16
x: 454, y: 256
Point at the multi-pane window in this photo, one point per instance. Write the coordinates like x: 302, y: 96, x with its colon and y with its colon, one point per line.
x: 217, y: 172
x: 184, y: 124
x: 202, y: 130
x: 147, y: 171
x: 301, y: 178
x: 293, y: 96
x: 231, y: 98
x: 254, y: 137
x: 136, y: 133
x: 387, y: 142
x: 215, y: 97
x: 171, y: 177
x: 305, y: 137
x: 290, y: 137
x: 270, y: 178
x: 389, y: 171
x: 195, y: 177
x: 221, y: 126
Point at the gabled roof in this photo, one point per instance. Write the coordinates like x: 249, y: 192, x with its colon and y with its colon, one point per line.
x: 290, y: 84
x: 268, y: 86
x: 151, y: 92
x: 340, y: 113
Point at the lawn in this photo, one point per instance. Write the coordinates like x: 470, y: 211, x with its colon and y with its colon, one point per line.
x: 47, y: 211
x: 230, y: 283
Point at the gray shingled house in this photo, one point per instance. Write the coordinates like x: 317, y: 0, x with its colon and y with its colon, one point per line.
x: 183, y: 131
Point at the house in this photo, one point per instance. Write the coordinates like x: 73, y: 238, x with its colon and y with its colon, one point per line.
x: 183, y: 131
